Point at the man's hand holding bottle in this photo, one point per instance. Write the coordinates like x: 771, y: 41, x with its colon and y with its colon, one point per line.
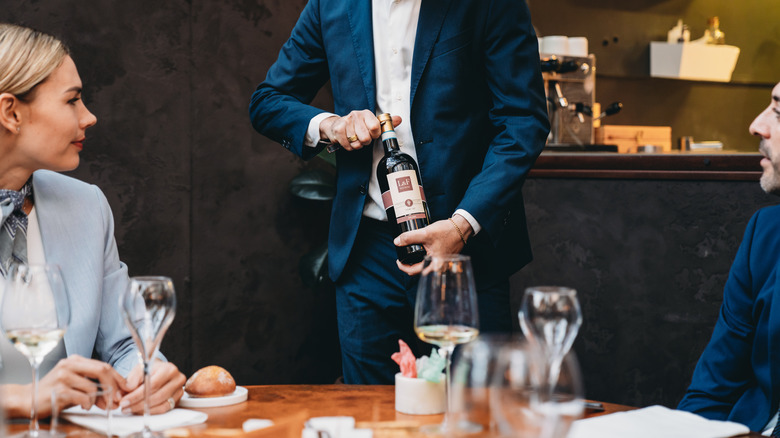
x: 440, y: 237
x: 353, y: 131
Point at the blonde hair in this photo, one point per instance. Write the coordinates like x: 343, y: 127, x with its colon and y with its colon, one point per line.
x: 27, y: 58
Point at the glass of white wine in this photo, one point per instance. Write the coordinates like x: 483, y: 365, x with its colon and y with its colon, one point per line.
x: 35, y: 314
x: 148, y: 306
x: 446, y: 313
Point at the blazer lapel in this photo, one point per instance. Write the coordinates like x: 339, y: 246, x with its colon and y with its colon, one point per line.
x: 360, y: 23
x: 432, y: 13
x: 46, y: 211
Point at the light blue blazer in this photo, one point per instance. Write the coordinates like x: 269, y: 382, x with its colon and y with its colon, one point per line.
x: 77, y: 230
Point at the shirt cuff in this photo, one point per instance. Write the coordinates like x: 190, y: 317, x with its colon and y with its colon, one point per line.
x: 313, y: 132
x: 473, y: 222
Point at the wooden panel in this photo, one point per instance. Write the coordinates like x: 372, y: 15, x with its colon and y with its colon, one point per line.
x: 629, y: 137
x: 725, y: 167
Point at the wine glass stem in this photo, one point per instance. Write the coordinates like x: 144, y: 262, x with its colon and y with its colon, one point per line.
x: 447, y: 382
x: 147, y: 378
x: 34, y: 411
x: 555, y: 372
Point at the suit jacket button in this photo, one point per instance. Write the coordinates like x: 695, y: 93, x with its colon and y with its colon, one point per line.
x: 362, y: 189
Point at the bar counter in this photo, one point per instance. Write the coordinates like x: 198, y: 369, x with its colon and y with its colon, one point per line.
x: 723, y: 166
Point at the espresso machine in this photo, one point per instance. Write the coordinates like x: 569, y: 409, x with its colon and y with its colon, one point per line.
x: 570, y: 85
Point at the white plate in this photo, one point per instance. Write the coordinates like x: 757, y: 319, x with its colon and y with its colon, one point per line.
x: 239, y: 395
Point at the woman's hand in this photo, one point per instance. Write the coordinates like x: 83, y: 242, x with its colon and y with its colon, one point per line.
x: 72, y: 379
x: 166, y: 388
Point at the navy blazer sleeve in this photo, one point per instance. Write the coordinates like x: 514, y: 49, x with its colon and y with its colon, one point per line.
x: 279, y: 108
x: 723, y: 371
x: 732, y: 380
x: 517, y: 114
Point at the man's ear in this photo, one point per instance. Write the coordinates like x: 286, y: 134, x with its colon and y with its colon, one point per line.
x: 9, y: 112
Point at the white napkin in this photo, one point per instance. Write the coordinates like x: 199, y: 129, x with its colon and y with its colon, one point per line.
x: 255, y: 424
x: 123, y: 425
x: 654, y: 422
x: 336, y: 427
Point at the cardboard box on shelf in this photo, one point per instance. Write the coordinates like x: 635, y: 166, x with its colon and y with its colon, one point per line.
x: 702, y: 62
x: 628, y: 137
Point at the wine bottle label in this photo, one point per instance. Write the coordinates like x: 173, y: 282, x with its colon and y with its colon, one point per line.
x: 405, y: 195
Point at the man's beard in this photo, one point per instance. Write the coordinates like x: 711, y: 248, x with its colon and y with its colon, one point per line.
x: 770, y: 179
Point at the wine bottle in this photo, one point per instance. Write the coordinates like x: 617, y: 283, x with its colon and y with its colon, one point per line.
x: 402, y: 192
x: 713, y: 33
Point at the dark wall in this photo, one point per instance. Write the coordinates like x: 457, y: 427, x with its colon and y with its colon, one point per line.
x: 196, y: 193
x: 649, y: 260
x: 620, y: 32
x: 199, y: 196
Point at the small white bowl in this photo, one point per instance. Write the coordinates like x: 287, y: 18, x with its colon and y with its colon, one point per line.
x: 419, y: 396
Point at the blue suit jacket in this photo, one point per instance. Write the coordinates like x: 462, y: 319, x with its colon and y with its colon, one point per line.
x: 738, y: 375
x: 77, y: 231
x: 478, y: 113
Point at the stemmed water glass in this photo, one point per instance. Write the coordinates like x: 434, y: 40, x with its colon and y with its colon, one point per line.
x: 473, y: 369
x: 148, y: 306
x: 446, y: 313
x: 521, y: 403
x: 35, y: 314
x: 551, y: 316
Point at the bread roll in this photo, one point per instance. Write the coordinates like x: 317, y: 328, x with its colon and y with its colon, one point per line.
x: 211, y: 381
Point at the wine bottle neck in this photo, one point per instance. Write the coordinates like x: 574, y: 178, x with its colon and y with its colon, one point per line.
x: 390, y: 141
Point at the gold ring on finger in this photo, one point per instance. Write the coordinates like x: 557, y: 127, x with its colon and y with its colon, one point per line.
x: 352, y: 138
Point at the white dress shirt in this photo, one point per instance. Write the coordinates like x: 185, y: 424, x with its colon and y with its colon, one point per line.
x: 14, y: 366
x: 394, y: 24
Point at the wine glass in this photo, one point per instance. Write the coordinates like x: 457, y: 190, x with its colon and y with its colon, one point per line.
x: 148, y: 306
x: 551, y: 316
x: 445, y: 312
x: 521, y: 403
x: 35, y: 315
x: 473, y: 369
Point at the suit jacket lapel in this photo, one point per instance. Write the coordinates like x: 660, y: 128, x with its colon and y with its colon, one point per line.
x: 360, y: 23
x: 432, y: 13
x: 46, y: 207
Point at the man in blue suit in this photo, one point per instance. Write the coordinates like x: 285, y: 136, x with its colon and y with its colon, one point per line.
x: 462, y: 79
x: 738, y: 375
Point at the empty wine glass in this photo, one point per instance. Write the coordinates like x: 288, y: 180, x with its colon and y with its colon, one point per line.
x: 148, y: 306
x: 473, y: 368
x: 35, y: 315
x: 551, y: 316
x: 521, y: 403
x: 445, y: 312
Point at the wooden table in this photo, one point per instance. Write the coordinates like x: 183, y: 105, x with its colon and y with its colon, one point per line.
x: 289, y: 406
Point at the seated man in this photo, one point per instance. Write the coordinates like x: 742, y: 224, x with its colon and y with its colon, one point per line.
x: 738, y: 375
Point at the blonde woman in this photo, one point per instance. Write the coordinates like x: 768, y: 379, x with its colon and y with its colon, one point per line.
x: 46, y: 217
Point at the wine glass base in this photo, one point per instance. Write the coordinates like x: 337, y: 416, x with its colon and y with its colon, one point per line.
x: 147, y: 434
x: 39, y: 434
x: 466, y: 426
x: 434, y: 429
x: 462, y: 427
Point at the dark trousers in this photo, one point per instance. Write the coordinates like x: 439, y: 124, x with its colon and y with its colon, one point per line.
x: 375, y: 307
